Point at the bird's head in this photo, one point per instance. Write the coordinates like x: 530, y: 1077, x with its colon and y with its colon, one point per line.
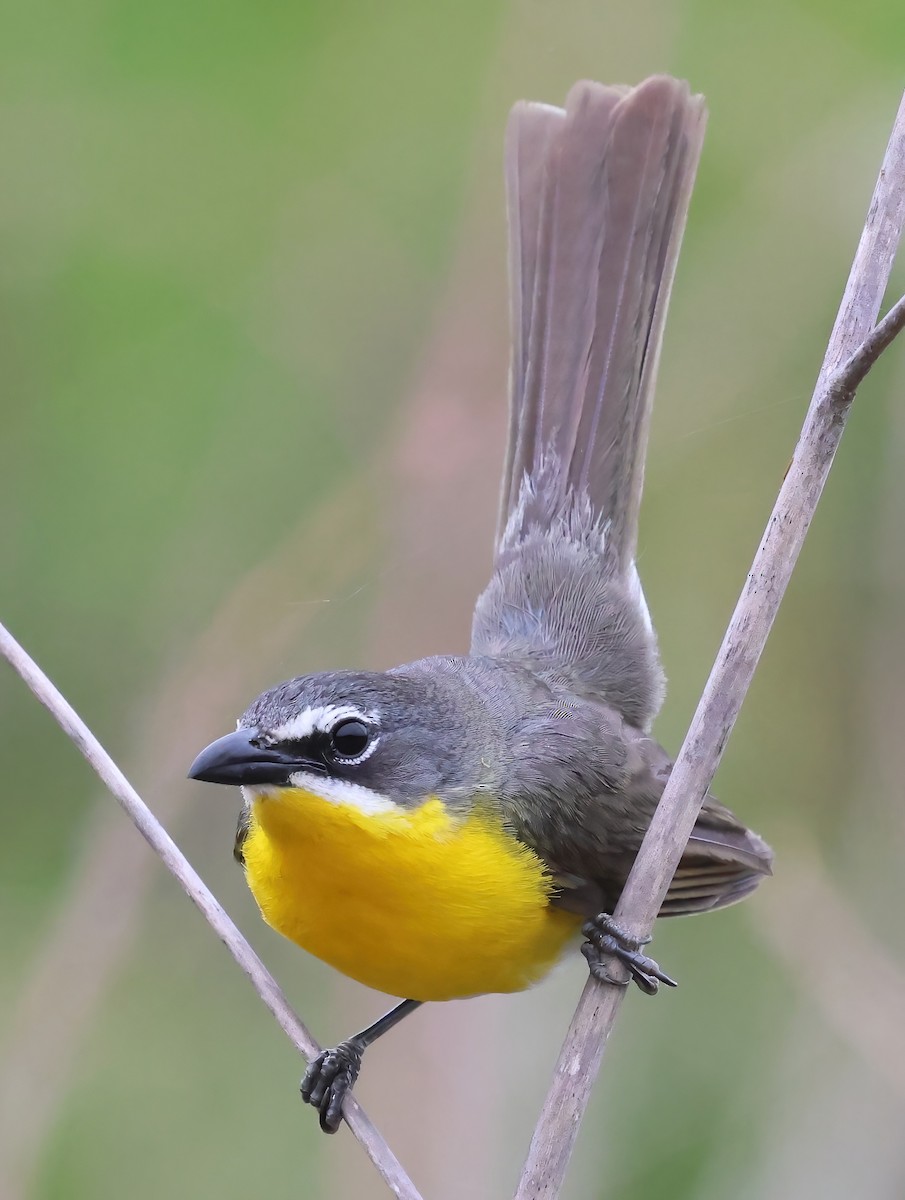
x: 370, y: 739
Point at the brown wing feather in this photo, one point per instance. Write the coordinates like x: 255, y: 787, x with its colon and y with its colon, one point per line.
x: 591, y: 851
x: 724, y: 862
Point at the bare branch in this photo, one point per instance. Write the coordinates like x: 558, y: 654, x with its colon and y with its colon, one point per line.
x: 848, y: 377
x: 176, y: 862
x: 41, y: 1039
x: 855, y: 343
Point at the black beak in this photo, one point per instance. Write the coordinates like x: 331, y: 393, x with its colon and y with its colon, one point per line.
x: 237, y: 759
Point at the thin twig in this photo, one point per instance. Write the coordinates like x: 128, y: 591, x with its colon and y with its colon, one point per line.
x: 856, y: 344
x: 42, y: 1037
x: 160, y: 841
x: 884, y: 332
x: 842, y: 967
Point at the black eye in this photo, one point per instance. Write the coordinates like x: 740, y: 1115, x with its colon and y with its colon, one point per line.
x: 349, y: 739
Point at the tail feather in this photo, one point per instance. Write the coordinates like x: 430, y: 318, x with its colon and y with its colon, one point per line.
x: 598, y: 194
x: 529, y: 135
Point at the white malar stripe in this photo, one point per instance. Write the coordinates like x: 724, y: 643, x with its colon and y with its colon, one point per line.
x: 336, y: 791
x: 340, y: 791
x: 322, y: 718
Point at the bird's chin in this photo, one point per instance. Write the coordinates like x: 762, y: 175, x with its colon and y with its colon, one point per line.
x: 251, y: 792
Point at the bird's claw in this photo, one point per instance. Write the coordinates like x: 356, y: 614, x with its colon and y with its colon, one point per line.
x: 328, y: 1080
x: 608, y: 940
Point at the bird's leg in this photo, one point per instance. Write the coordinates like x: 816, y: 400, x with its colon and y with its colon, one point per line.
x: 332, y: 1073
x: 606, y: 940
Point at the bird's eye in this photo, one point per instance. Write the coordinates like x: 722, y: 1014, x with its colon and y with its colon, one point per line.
x: 350, y: 739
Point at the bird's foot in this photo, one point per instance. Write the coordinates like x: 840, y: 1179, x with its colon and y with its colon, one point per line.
x: 608, y: 940
x: 329, y: 1078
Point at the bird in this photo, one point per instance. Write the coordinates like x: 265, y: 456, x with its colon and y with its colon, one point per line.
x: 455, y: 825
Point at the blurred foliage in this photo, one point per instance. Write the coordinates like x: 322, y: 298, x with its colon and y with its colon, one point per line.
x: 227, y: 235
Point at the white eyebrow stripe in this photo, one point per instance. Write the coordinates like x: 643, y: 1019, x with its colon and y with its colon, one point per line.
x: 322, y: 718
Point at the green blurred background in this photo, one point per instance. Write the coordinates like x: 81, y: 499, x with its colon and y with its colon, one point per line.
x: 254, y: 355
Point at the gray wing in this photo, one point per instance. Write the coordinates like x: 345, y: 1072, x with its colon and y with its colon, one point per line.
x: 585, y: 787
x: 724, y: 860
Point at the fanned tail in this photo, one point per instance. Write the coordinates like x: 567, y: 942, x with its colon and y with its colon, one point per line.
x: 598, y: 194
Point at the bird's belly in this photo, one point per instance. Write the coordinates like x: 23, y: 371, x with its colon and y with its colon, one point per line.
x: 415, y: 903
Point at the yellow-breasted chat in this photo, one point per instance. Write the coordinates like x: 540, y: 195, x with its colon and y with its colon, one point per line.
x: 448, y: 827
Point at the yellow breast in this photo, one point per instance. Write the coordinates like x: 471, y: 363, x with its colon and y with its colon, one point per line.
x: 416, y: 903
